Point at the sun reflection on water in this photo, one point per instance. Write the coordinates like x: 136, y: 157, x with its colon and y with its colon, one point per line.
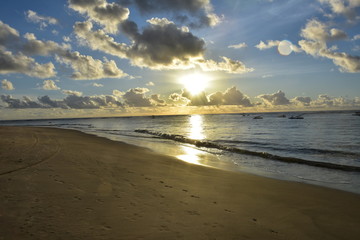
x: 196, y: 127
x: 191, y: 155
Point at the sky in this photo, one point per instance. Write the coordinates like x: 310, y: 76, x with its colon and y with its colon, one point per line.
x: 100, y: 58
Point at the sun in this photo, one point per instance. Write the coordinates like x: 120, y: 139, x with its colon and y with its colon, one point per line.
x: 195, y: 83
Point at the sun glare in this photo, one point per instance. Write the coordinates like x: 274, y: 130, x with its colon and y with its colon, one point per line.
x: 195, y: 83
x: 285, y: 47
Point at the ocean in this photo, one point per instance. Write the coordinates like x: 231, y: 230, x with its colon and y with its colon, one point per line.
x: 320, y: 148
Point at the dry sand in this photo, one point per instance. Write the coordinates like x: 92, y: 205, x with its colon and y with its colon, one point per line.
x: 63, y: 184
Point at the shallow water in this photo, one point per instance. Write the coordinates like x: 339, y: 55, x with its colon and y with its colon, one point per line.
x: 240, y: 143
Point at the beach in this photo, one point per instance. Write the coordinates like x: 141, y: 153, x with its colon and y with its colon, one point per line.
x: 65, y: 184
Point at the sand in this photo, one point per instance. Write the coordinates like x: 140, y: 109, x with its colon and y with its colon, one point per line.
x: 64, y: 184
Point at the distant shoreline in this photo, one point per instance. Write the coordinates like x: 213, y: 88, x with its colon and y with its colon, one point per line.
x: 165, y: 115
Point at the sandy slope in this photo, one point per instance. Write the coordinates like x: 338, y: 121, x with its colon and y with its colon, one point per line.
x: 63, y: 184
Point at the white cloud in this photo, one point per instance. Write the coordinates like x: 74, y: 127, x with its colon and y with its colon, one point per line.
x: 162, y: 22
x: 20, y: 63
x: 346, y: 62
x: 231, y: 96
x: 356, y: 37
x: 178, y: 98
x: 321, y: 32
x: 99, y: 40
x: 135, y: 97
x: 275, y: 43
x: 267, y: 76
x: 152, y: 49
x: 109, y: 15
x: 50, y: 85
x: 303, y: 101
x: 227, y: 65
x: 43, y: 21
x: 71, y: 92
x: 150, y: 84
x: 66, y: 39
x: 238, y: 46
x: 117, y: 93
x: 275, y: 99
x: 270, y: 44
x: 87, y: 68
x: 7, y: 85
x: 156, y: 100
x: 344, y: 7
x: 98, y: 85
x: 325, y: 100
x: 316, y: 35
x: 34, y: 46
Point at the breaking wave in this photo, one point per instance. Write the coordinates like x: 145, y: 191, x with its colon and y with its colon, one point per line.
x: 265, y: 155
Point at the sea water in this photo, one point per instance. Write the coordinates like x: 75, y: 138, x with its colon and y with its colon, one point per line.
x: 323, y: 148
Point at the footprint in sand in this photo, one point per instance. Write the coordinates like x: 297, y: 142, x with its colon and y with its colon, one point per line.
x: 106, y: 227
x: 193, y: 212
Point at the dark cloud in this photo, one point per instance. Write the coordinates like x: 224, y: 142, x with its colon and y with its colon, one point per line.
x: 26, y: 102
x: 45, y: 102
x: 8, y: 35
x: 91, y: 102
x: 162, y: 44
x: 71, y: 101
x: 194, y: 13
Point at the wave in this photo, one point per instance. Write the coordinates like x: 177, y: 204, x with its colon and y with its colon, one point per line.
x: 288, y: 148
x: 265, y: 155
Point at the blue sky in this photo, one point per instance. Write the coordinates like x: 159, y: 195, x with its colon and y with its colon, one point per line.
x: 103, y: 58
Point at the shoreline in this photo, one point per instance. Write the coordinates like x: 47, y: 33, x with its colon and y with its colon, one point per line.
x: 66, y: 184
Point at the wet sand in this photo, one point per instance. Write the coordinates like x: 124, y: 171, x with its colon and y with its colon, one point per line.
x: 64, y: 184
